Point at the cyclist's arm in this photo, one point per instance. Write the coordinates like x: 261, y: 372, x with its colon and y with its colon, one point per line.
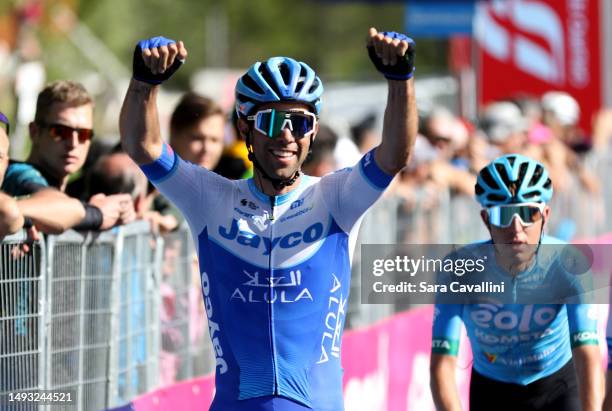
x: 607, y: 406
x: 445, y: 347
x: 399, y: 127
x: 139, y: 123
x: 389, y: 52
x: 443, y: 387
x: 590, y: 376
x: 582, y: 321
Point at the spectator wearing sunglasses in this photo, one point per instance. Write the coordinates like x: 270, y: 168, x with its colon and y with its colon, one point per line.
x: 197, y: 128
x: 525, y: 356
x: 61, y: 135
x: 48, y: 210
x: 274, y: 250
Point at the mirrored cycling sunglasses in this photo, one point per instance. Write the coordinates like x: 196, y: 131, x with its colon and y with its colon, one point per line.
x: 528, y: 214
x: 63, y: 132
x: 272, y: 122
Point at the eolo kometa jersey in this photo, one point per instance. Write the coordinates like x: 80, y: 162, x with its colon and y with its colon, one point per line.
x: 517, y: 343
x: 275, y: 274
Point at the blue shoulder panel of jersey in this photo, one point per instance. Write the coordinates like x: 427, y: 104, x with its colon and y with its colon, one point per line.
x: 163, y: 167
x: 373, y: 173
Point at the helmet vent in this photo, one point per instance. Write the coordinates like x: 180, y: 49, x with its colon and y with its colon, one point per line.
x: 269, y: 79
x: 522, y: 172
x: 488, y: 178
x: 537, y: 174
x: 501, y: 171
x: 511, y: 160
x: 479, y: 190
x: 285, y: 73
x: 496, y: 198
x: 250, y: 83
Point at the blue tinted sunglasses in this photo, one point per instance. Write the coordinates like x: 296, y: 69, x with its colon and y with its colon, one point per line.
x: 272, y: 122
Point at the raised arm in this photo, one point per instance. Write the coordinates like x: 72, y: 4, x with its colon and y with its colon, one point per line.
x: 393, y: 55
x: 155, y: 60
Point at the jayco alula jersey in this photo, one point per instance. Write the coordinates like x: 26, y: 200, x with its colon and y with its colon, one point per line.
x: 275, y: 275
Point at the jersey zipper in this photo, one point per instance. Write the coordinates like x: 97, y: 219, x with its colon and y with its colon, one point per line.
x: 270, y: 296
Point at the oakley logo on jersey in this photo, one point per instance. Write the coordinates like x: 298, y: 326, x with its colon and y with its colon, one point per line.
x: 258, y: 289
x: 490, y: 317
x: 213, y: 327
x: 247, y: 238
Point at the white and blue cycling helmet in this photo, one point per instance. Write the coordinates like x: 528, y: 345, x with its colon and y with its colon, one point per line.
x: 511, y: 179
x: 278, y: 79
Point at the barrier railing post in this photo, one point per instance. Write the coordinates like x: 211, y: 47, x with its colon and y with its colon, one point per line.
x: 115, y: 305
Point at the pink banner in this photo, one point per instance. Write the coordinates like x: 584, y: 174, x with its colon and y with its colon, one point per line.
x: 193, y: 395
x: 386, y: 367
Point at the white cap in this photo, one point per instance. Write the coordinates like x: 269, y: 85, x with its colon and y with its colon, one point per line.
x: 501, y: 120
x: 563, y: 106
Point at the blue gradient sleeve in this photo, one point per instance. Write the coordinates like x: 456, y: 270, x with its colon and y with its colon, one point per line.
x: 582, y: 319
x: 163, y: 167
x: 446, y: 332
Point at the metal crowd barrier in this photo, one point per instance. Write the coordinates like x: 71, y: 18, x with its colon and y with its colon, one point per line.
x: 79, y: 313
x: 22, y: 316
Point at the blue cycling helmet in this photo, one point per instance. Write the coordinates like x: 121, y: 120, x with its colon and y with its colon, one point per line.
x: 511, y: 179
x: 278, y: 79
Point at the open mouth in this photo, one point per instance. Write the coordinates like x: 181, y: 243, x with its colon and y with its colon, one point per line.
x: 282, y: 154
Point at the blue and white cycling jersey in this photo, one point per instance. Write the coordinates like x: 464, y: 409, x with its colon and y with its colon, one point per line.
x: 517, y: 343
x: 275, y: 275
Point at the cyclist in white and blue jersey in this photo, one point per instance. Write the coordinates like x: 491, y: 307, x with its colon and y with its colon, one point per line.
x: 525, y: 356
x: 274, y: 250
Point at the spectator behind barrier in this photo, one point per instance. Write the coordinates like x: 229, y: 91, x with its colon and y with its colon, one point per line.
x: 505, y: 127
x: 320, y: 160
x: 197, y: 128
x: 50, y: 210
x: 116, y: 173
x: 61, y: 135
x: 447, y: 135
x: 561, y: 114
x: 364, y: 133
